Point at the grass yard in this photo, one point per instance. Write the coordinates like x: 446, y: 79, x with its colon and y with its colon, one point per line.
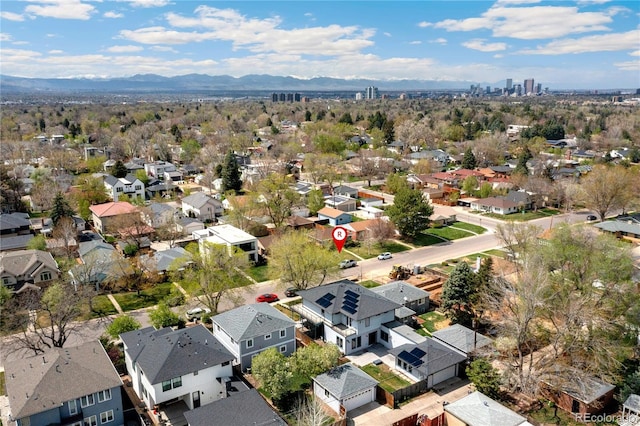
x: 470, y: 227
x: 526, y: 216
x: 425, y: 239
x: 131, y: 301
x: 496, y: 252
x: 102, y: 307
x: 544, y: 415
x: 288, y: 312
x: 374, y: 250
x: 258, y: 273
x: 369, y: 284
x: 449, y: 233
x: 389, y: 381
x: 2, y: 384
x: 433, y: 321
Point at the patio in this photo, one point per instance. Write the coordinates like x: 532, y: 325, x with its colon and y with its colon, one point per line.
x: 376, y: 353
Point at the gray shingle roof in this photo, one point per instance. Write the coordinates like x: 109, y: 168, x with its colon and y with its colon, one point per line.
x: 345, y: 380
x: 248, y: 321
x: 619, y: 226
x: 23, y: 261
x: 165, y: 354
x: 477, y: 409
x: 437, y: 356
x: 461, y: 338
x: 42, y: 382
x: 396, y: 291
x: 199, y: 199
x: 242, y: 409
x: 633, y: 402
x: 369, y: 304
x: 97, y: 245
x: 13, y: 220
x: 15, y: 242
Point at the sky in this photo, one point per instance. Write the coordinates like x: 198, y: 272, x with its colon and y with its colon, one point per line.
x: 583, y: 44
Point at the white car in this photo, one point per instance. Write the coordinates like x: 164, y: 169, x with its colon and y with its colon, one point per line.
x: 197, y: 313
x: 384, y: 256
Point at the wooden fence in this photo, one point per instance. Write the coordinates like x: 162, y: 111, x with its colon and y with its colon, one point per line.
x: 393, y: 399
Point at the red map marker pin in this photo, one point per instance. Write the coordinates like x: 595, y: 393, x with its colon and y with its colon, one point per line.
x: 339, y: 235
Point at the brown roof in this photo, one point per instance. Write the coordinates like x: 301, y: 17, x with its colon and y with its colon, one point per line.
x: 113, y: 209
x: 497, y: 202
x: 21, y: 261
x: 330, y: 212
x: 466, y: 172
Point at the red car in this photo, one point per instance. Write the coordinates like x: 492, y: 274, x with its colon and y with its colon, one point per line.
x: 267, y: 297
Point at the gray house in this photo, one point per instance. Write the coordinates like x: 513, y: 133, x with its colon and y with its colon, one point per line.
x: 202, y: 206
x: 72, y: 386
x: 345, y: 386
x: 240, y: 409
x: 461, y: 338
x: 250, y: 329
x: 411, y: 298
x: 430, y: 360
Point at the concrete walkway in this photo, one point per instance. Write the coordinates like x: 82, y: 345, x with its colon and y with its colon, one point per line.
x: 182, y: 290
x: 115, y: 303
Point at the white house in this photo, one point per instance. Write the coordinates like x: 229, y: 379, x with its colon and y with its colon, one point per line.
x: 157, y: 169
x: 351, y: 315
x: 230, y: 236
x: 168, y: 366
x: 345, y: 386
x: 128, y: 185
x: 201, y: 206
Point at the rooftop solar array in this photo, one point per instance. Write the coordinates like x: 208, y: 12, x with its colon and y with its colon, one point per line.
x: 326, y: 300
x: 411, y: 358
x: 350, y: 302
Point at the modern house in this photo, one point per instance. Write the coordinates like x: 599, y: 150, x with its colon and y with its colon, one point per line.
x: 105, y: 216
x: 128, y: 185
x: 158, y: 215
x: 229, y: 236
x: 334, y: 216
x: 201, y: 206
x: 157, y: 169
x: 345, y: 388
x: 72, y: 386
x: 18, y: 268
x: 250, y: 329
x: 462, y: 339
x: 477, y: 409
x: 340, y: 202
x: 187, y: 366
x: 15, y: 231
x: 405, y: 294
x: 429, y: 360
x: 346, y: 314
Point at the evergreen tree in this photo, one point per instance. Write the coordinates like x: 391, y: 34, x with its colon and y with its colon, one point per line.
x: 458, y: 292
x: 410, y: 212
x: 521, y: 167
x: 119, y: 170
x: 469, y: 160
x: 60, y: 209
x: 484, y: 377
x: 231, y: 174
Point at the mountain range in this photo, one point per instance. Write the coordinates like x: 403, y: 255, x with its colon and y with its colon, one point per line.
x: 148, y: 83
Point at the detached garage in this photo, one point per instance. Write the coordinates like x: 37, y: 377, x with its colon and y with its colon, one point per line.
x: 430, y: 360
x: 345, y: 385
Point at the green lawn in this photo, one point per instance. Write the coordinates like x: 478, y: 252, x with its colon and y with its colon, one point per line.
x: 101, y: 307
x: 149, y: 297
x: 2, y: 384
x: 523, y: 217
x: 368, y: 252
x: 369, y: 284
x: 426, y: 240
x: 191, y: 286
x: 389, y: 381
x: 470, y: 227
x: 433, y: 321
x: 449, y: 233
x: 288, y: 312
x: 258, y: 273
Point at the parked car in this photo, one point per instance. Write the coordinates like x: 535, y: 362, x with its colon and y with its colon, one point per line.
x: 291, y: 292
x: 384, y: 256
x: 267, y: 297
x: 349, y: 263
x: 591, y: 217
x: 197, y: 313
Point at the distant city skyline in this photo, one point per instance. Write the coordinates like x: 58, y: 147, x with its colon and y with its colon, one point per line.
x: 582, y: 44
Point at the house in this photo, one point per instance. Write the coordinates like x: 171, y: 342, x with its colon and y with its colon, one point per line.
x: 371, y: 202
x: 299, y: 222
x: 174, y: 176
x: 340, y: 202
x: 128, y: 185
x: 187, y: 366
x: 18, y: 268
x: 15, y: 231
x: 158, y: 215
x: 462, y: 338
x: 250, y: 329
x: 158, y: 188
x: 65, y: 386
x: 629, y: 228
x: 345, y: 388
x: 188, y: 226
x: 361, y: 230
x: 201, y: 206
x: 477, y: 409
x: 631, y: 411
x: 405, y: 294
x: 579, y: 394
x: 105, y: 216
x: 175, y: 258
x: 369, y: 213
x: 438, y: 156
x: 423, y: 181
x: 157, y: 169
x: 429, y: 360
x: 100, y: 263
x: 521, y: 198
x: 240, y: 409
x: 335, y: 217
x: 497, y: 205
x: 230, y: 236
x: 346, y: 314
x: 346, y: 191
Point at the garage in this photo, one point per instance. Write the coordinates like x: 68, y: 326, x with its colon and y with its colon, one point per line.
x: 359, y: 399
x: 345, y: 385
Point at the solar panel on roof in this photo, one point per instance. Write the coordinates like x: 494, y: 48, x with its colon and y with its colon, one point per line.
x: 350, y: 293
x: 324, y: 302
x: 350, y: 304
x: 329, y: 296
x: 349, y: 309
x: 419, y: 353
x: 410, y: 358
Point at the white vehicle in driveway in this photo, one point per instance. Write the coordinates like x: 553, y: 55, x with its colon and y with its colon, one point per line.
x: 197, y: 313
x: 384, y: 256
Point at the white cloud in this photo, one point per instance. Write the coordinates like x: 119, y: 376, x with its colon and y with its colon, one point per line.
x: 386, y: 34
x: 147, y: 3
x: 10, y: 16
x: 635, y: 53
x: 517, y: 1
x: 629, y: 65
x: 530, y: 23
x: 55, y: 52
x: 498, y: 55
x: 60, y: 9
x: 439, y: 40
x: 481, y: 45
x: 424, y: 24
x: 415, y: 42
x: 587, y: 2
x: 113, y: 15
x: 595, y: 43
x: 5, y: 37
x: 163, y: 49
x: 124, y: 49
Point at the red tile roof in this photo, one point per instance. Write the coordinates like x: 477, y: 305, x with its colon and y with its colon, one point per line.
x: 113, y: 209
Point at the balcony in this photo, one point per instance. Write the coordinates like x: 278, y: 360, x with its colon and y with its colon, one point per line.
x: 316, y: 319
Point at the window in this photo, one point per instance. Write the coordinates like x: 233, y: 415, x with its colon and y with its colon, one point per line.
x: 106, y: 417
x: 267, y: 336
x: 87, y: 400
x: 195, y: 373
x: 91, y: 421
x: 283, y: 333
x: 177, y: 382
x: 250, y: 343
x: 45, y: 276
x: 119, y: 189
x: 138, y: 187
x: 224, y: 364
x: 167, y: 385
x: 73, y: 407
x: 6, y: 281
x: 339, y: 341
x: 104, y: 395
x: 283, y: 349
x: 326, y: 393
x: 384, y: 335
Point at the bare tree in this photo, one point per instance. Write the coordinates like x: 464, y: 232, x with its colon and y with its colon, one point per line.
x: 606, y: 189
x: 66, y: 232
x: 309, y: 412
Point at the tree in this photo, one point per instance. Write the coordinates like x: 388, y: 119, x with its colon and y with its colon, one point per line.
x: 469, y: 184
x: 315, y: 201
x: 272, y: 370
x: 231, y: 174
x: 277, y: 198
x: 607, y: 188
x: 65, y: 230
x: 410, y: 212
x: 298, y: 262
x: 469, y: 160
x: 162, y: 316
x: 631, y: 385
x: 189, y: 150
x: 37, y: 243
x: 315, y: 359
x: 309, y: 412
x: 458, y: 293
x: 122, y: 324
x: 60, y: 209
x: 485, y: 190
x: 485, y: 377
x: 381, y: 230
x: 119, y: 170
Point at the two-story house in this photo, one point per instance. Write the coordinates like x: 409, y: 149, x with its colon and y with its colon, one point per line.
x: 229, y: 236
x: 414, y: 300
x: 158, y: 215
x: 167, y: 366
x: 128, y: 185
x: 157, y: 169
x: 15, y: 231
x: 250, y: 329
x: 105, y: 216
x: 202, y: 206
x: 429, y: 360
x: 27, y: 266
x: 346, y: 314
x: 73, y: 386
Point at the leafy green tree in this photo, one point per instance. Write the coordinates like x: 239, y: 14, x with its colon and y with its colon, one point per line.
x: 231, y: 174
x: 395, y: 183
x: 469, y: 184
x: 315, y: 359
x: 122, y: 324
x: 271, y: 369
x: 60, y: 209
x: 277, y: 198
x: 37, y: 243
x: 469, y: 160
x: 315, y: 201
x: 162, y: 316
x: 189, y: 150
x: 142, y: 176
x: 410, y: 212
x: 485, y: 190
x: 329, y: 143
x: 485, y: 377
x: 119, y: 170
x: 458, y: 293
x: 307, y: 115
x: 521, y: 168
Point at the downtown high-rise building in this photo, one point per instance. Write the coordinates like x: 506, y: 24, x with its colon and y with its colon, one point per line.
x: 371, y: 92
x: 529, y: 86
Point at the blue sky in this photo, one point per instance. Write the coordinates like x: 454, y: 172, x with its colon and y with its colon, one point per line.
x: 584, y: 44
